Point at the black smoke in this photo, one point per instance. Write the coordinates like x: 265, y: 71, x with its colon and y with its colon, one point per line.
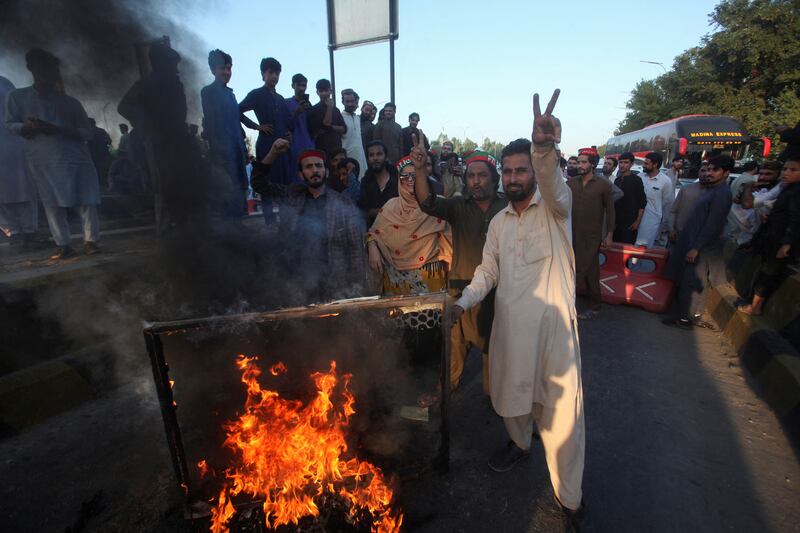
x: 96, y: 40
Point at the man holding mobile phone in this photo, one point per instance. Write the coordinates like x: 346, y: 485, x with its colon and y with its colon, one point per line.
x: 298, y: 106
x: 325, y: 122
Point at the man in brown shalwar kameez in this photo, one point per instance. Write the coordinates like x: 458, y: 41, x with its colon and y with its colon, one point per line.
x: 592, y: 201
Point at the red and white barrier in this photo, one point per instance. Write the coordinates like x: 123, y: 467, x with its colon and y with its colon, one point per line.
x: 635, y: 276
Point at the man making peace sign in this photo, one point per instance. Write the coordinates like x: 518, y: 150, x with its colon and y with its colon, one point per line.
x: 534, y: 356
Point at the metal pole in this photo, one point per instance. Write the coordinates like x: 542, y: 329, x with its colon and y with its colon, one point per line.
x: 332, y: 44
x: 333, y: 76
x: 655, y: 63
x: 168, y: 411
x: 391, y: 69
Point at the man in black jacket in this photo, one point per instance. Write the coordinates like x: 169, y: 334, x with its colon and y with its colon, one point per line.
x: 696, y: 259
x: 321, y: 231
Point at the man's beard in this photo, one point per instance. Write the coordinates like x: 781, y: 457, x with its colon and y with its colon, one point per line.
x: 480, y: 194
x: 315, y: 184
x: 517, y: 195
x: 572, y: 171
x: 377, y: 167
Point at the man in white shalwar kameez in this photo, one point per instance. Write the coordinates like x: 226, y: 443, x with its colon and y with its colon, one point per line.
x: 351, y: 140
x: 56, y: 130
x: 660, y: 196
x: 18, y: 210
x: 534, y: 355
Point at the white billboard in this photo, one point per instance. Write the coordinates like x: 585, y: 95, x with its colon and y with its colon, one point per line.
x: 356, y: 22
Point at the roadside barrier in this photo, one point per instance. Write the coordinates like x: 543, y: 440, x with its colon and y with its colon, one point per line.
x: 635, y: 276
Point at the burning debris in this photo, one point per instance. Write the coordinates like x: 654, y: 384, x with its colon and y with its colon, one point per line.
x: 288, y: 451
x: 294, y: 458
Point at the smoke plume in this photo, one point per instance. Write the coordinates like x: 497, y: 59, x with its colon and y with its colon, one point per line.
x: 95, y: 40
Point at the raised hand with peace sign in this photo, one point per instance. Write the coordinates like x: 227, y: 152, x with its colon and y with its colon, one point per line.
x: 418, y: 154
x: 546, y: 127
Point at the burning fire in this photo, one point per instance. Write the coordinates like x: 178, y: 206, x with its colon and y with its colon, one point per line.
x: 290, y: 454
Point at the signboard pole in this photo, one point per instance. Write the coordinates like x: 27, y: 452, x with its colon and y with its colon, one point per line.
x: 333, y: 76
x: 391, y: 70
x: 373, y: 29
x: 331, y: 45
x: 393, y: 34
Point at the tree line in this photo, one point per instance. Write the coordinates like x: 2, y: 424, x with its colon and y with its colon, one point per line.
x: 463, y: 146
x: 748, y: 68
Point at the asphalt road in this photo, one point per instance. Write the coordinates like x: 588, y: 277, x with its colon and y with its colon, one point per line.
x: 676, y: 441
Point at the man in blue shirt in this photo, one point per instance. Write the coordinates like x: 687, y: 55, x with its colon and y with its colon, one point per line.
x: 224, y: 134
x: 298, y: 106
x: 274, y: 120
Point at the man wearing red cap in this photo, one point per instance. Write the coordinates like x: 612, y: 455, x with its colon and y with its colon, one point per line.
x: 592, y: 202
x: 469, y: 218
x: 322, y: 230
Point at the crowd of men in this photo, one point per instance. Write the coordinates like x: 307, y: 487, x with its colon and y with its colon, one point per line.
x: 516, y: 237
x: 658, y: 207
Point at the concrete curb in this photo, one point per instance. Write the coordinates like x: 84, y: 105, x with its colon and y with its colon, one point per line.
x: 36, y: 393
x: 768, y: 357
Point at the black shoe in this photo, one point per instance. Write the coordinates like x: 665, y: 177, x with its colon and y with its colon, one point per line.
x: 91, y: 248
x: 680, y: 323
x: 572, y: 517
x: 63, y: 252
x: 504, y: 460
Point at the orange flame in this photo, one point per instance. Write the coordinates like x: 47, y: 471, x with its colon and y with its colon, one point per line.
x: 277, y: 369
x: 289, y: 453
x: 202, y: 467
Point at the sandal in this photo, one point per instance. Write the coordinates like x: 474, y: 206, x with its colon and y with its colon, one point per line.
x: 748, y: 310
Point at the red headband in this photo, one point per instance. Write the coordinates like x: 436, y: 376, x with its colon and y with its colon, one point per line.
x: 588, y: 151
x: 482, y: 157
x: 311, y: 153
x: 403, y: 163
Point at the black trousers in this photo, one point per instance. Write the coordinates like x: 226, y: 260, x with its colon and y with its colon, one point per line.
x: 708, y: 270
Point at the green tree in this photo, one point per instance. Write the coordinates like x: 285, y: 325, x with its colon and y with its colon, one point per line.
x: 468, y: 145
x: 747, y: 69
x: 462, y: 147
x: 647, y: 105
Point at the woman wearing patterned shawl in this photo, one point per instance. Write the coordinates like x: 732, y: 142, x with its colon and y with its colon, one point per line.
x: 411, y: 249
